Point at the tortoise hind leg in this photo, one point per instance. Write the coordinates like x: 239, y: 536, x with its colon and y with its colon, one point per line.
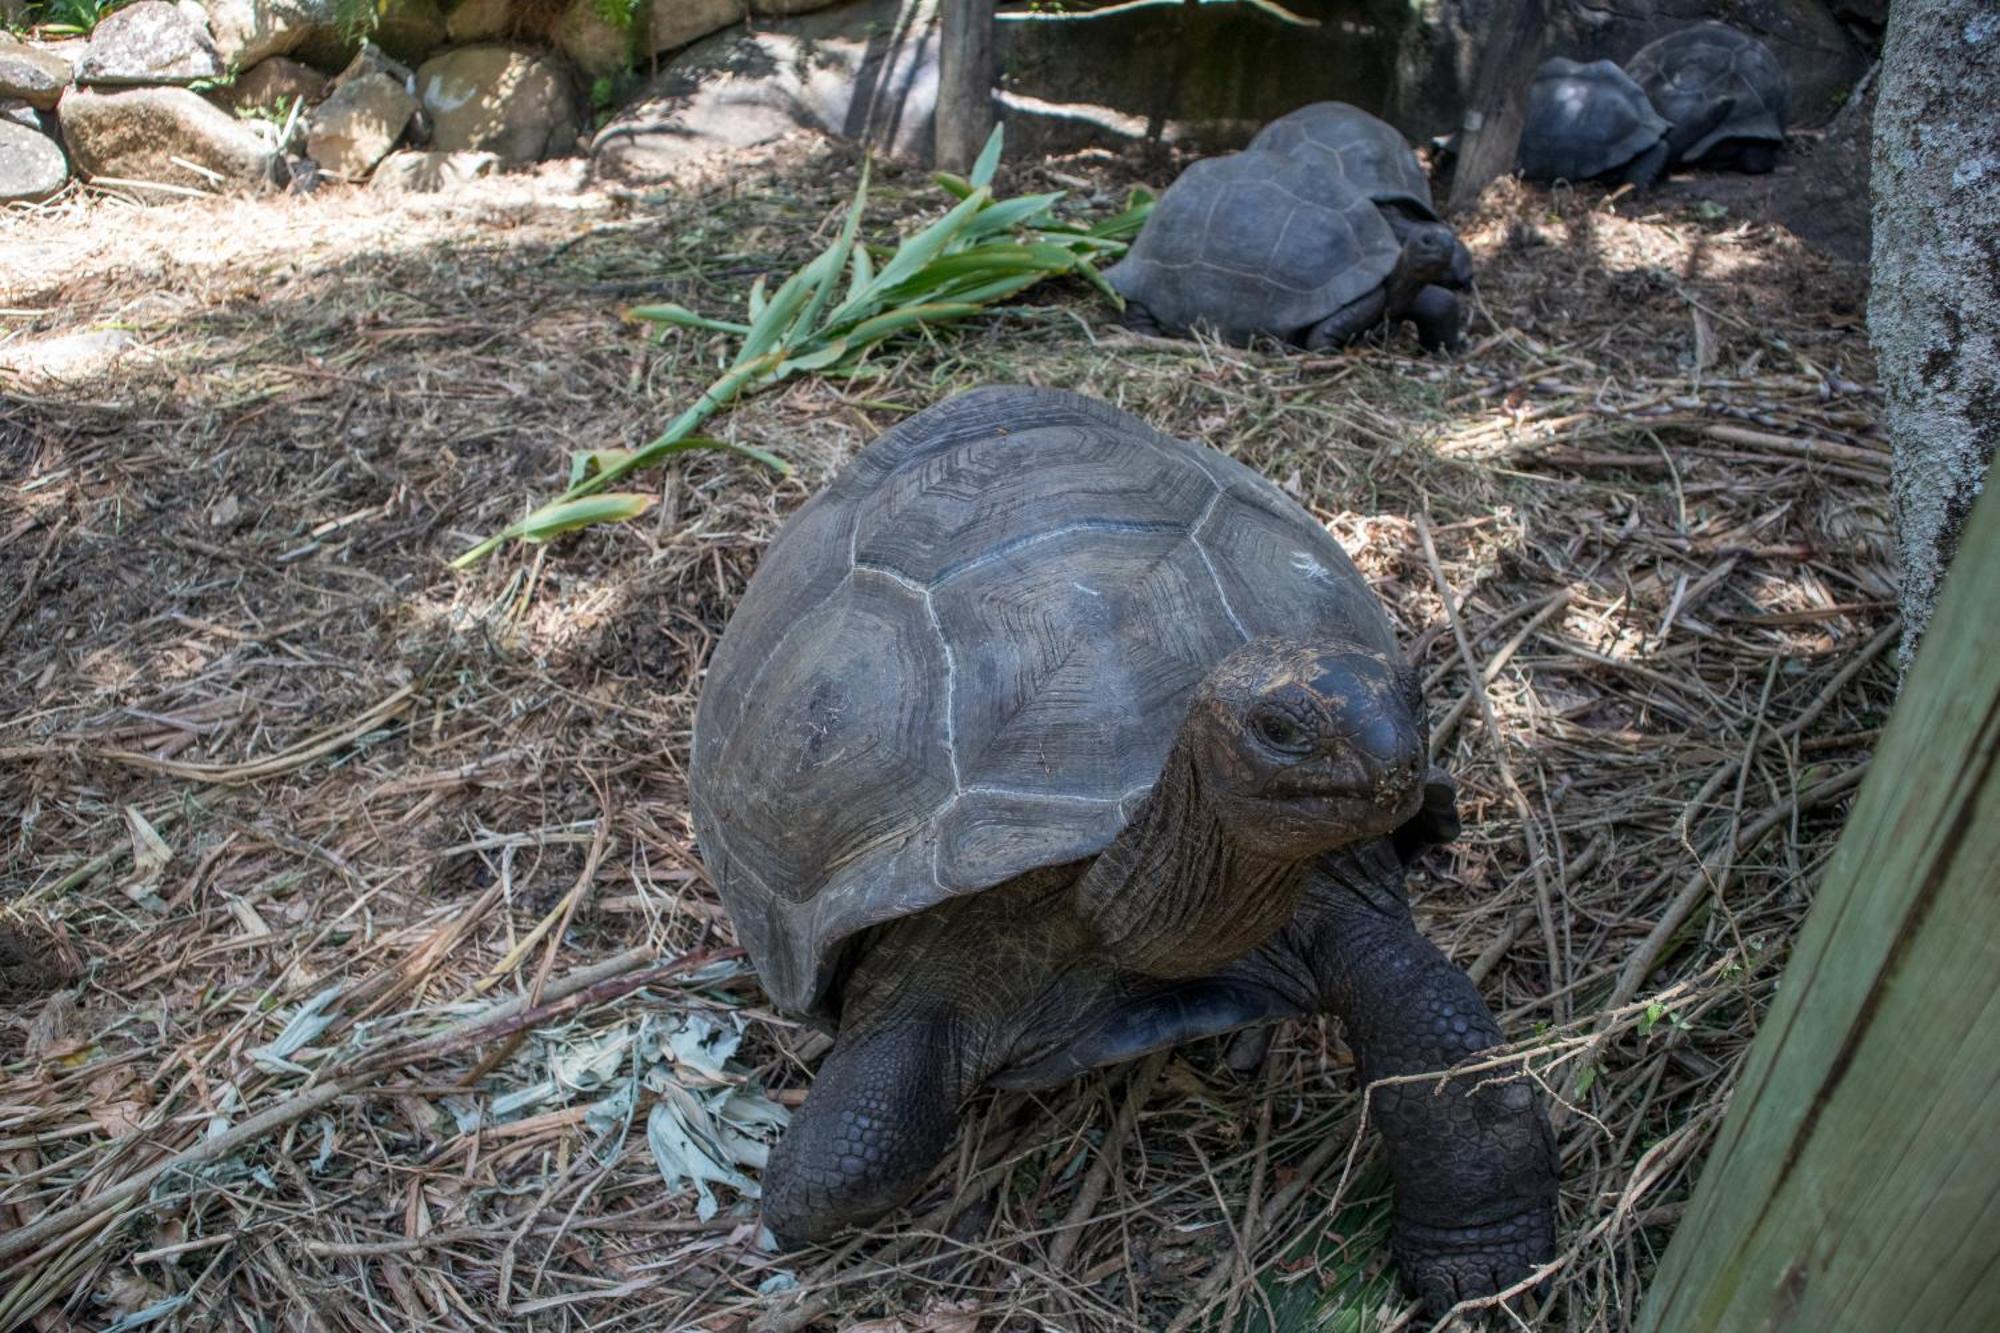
x: 1140, y: 320
x: 882, y: 1112
x: 1758, y: 159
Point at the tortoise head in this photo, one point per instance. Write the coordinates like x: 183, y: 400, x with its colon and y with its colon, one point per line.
x: 1430, y: 253
x: 1303, y: 746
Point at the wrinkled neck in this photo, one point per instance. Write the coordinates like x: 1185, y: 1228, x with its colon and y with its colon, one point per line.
x: 1405, y: 281
x: 1175, y: 895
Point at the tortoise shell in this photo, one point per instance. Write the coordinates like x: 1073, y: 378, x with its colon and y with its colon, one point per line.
x: 1584, y: 120
x: 1256, y: 243
x: 966, y: 660
x: 1687, y: 73
x: 1369, y: 154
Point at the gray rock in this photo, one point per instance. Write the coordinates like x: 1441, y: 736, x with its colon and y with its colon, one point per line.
x: 35, y: 76
x: 499, y: 99
x: 148, y: 42
x: 356, y: 127
x: 16, y: 112
x: 274, y: 82
x: 413, y: 171
x: 675, y: 23
x: 595, y: 44
x: 409, y: 29
x: 136, y: 133
x: 479, y: 20
x: 372, y: 59
x: 247, y: 31
x: 32, y: 165
x: 838, y: 71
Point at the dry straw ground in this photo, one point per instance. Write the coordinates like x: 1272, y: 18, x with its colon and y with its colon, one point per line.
x: 262, y: 752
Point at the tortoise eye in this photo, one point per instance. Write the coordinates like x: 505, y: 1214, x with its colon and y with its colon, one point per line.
x: 1281, y: 731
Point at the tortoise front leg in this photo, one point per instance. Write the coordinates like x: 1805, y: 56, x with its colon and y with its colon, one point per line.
x: 1473, y: 1163
x: 1435, y: 312
x: 882, y: 1112
x: 1347, y: 323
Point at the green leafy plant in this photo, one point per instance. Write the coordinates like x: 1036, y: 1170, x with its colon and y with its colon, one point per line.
x: 829, y: 315
x: 62, y: 17
x: 618, y: 13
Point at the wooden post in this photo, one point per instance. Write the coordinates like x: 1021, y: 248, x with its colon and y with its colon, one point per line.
x: 966, y: 76
x: 1491, y: 134
x: 1855, y: 1183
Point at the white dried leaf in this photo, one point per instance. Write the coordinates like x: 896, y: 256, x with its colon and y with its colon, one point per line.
x: 303, y: 1026
x: 683, y: 1141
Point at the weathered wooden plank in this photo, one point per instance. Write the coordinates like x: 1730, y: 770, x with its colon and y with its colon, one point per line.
x: 1855, y: 1183
x: 966, y: 74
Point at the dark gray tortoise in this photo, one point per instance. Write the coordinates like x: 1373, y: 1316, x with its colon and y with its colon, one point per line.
x: 1374, y: 157
x: 1687, y: 74
x: 1593, y: 122
x: 1041, y: 741
x: 1278, y: 245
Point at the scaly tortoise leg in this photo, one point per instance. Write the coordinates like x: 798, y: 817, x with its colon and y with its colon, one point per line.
x: 882, y: 1112
x: 1473, y: 1164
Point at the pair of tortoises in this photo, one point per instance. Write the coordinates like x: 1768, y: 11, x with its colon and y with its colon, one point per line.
x: 1706, y: 95
x: 1322, y: 228
x: 1041, y: 740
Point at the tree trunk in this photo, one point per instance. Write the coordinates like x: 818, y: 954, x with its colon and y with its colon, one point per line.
x: 1934, y: 305
x: 1852, y: 1183
x: 966, y: 76
x: 1491, y: 134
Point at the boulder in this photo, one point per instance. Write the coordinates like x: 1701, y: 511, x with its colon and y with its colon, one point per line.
x: 15, y: 111
x: 247, y: 31
x: 35, y: 76
x: 779, y: 9
x: 273, y: 82
x: 1824, y: 196
x: 136, y: 133
x: 414, y: 171
x: 148, y: 42
x: 499, y: 99
x: 594, y: 43
x: 840, y: 71
x: 479, y: 20
x: 372, y: 59
x: 675, y: 23
x: 357, y: 126
x: 32, y: 165
x: 409, y: 29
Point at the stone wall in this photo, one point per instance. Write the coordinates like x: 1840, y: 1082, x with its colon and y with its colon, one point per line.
x: 201, y: 95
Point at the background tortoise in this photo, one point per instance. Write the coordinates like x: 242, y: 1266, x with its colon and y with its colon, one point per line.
x: 1275, y: 244
x: 1687, y: 74
x: 1374, y: 157
x: 1041, y: 740
x: 1593, y: 122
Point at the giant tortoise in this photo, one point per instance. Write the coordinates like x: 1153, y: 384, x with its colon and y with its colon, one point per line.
x: 1688, y: 73
x: 1041, y: 740
x: 1371, y: 155
x: 1593, y: 122
x: 1259, y: 244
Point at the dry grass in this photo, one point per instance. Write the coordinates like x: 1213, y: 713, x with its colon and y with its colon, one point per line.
x: 454, y: 807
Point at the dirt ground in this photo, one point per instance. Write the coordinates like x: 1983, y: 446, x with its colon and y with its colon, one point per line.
x: 342, y: 895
